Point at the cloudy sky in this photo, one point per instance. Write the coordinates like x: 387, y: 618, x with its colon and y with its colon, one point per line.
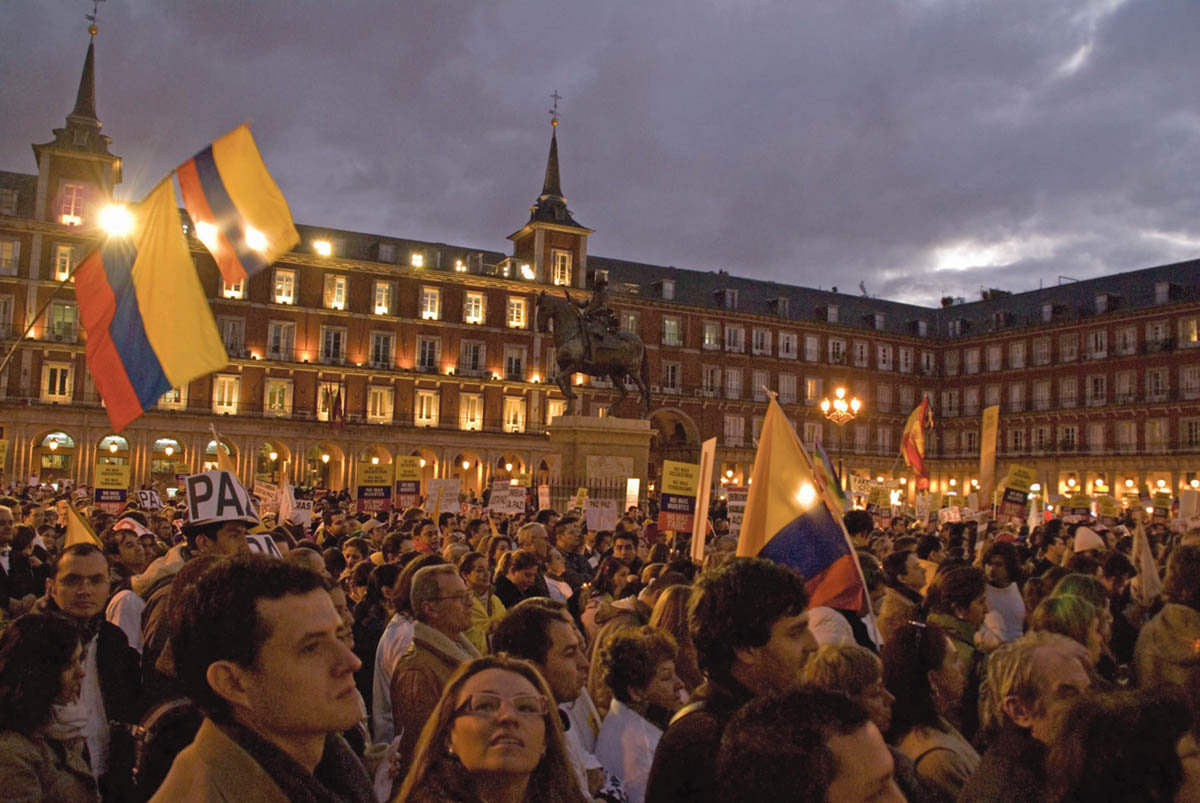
x: 922, y: 147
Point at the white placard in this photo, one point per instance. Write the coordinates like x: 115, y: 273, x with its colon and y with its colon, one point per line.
x: 543, y: 497
x: 602, y: 514
x: 448, y: 488
x: 633, y: 487
x: 1189, y: 503
x: 302, y: 513
x: 217, y: 496
x: 149, y: 500
x: 735, y: 507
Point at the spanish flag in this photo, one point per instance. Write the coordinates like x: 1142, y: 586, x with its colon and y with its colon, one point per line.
x: 148, y: 322
x: 790, y: 518
x: 912, y: 442
x: 238, y: 211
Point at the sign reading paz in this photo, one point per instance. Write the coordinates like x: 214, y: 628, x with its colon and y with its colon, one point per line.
x: 217, y: 496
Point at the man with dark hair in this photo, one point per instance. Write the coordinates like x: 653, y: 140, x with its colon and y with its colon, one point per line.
x: 625, y: 546
x: 546, y: 517
x: 748, y: 622
x: 258, y: 650
x: 859, y: 525
x: 1115, y: 573
x: 392, y: 547
x: 425, y: 537
x: 570, y: 543
x: 78, y: 590
x: 809, y: 746
x: 930, y: 554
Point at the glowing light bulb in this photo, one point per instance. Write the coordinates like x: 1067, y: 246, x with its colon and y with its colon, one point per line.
x: 508, y: 466
x: 374, y: 461
x: 422, y: 462
x: 207, y: 234
x: 255, y: 239
x: 170, y: 450
x: 325, y: 458
x: 466, y: 464
x: 117, y: 220
x: 806, y: 494
x: 273, y: 456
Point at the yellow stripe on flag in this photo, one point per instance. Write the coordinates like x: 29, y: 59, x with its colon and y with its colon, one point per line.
x: 254, y: 192
x: 79, y: 531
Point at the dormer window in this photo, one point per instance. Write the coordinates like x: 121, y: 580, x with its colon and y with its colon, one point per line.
x: 1163, y: 292
x: 666, y: 289
x: 387, y: 252
x: 828, y: 313
x: 1001, y: 319
x: 1105, y: 302
x: 958, y: 327
x: 920, y: 328
x: 778, y: 306
x: 876, y: 319
x: 726, y: 298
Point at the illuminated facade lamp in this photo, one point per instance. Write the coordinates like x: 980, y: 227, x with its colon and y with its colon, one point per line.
x: 116, y: 220
x: 417, y: 260
x: 527, y: 272
x: 1035, y: 487
x: 273, y: 456
x: 879, y: 479
x: 374, y: 461
x: 953, y: 482
x: 974, y: 483
x: 1150, y: 510
x: 1161, y: 483
x: 421, y: 462
x: 53, y: 445
x: 904, y: 480
x: 1195, y: 483
x: 729, y: 473
x: 325, y: 457
x: 1128, y: 483
x: 466, y: 464
x: 459, y: 267
x: 508, y: 466
x: 112, y: 447
x: 322, y: 247
x: 170, y: 450
x: 535, y: 378
x: 1070, y: 482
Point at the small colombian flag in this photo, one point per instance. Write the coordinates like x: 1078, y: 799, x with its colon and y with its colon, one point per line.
x: 148, y: 322
x: 239, y: 213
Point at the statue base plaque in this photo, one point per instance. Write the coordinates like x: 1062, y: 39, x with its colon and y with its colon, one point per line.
x: 603, y: 449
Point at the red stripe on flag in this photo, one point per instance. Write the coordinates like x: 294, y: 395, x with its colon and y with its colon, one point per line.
x: 197, y: 206
x: 840, y: 586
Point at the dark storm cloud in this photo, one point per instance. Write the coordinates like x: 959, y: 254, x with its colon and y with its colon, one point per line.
x: 924, y: 148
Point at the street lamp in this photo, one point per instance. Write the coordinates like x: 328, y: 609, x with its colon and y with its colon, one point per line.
x: 839, y: 410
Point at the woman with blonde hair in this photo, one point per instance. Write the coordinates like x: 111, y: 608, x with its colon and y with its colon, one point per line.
x: 494, y: 737
x: 670, y: 616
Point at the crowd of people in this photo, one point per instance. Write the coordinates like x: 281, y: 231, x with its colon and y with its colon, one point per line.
x: 409, y: 656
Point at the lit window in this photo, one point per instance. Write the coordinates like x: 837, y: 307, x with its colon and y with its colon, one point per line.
x: 429, y: 349
x: 233, y: 290
x: 174, y: 399
x: 10, y: 254
x: 787, y: 345
x: 470, y: 406
x: 383, y: 298
x: 57, y: 384
x: 281, y: 336
x: 277, y: 399
x: 333, y: 344
x: 6, y: 315
x: 285, y: 287
x: 516, y: 313
x: 460, y: 266
x: 417, y: 260
x: 64, y: 260
x: 425, y: 408
x: 381, y: 349
x: 473, y: 308
x: 470, y: 359
x: 225, y: 395
x: 64, y: 322
x: 8, y: 202
x: 335, y: 292
x: 431, y: 303
x: 514, y: 362
x: 323, y: 247
x: 514, y: 413
x: 562, y: 268
x: 71, y: 208
x: 379, y: 405
x: 671, y: 331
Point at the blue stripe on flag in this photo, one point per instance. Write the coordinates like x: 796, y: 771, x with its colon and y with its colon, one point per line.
x: 229, y: 219
x: 809, y: 543
x: 128, y: 333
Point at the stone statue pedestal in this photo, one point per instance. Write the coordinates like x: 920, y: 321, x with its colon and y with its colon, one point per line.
x: 601, y: 449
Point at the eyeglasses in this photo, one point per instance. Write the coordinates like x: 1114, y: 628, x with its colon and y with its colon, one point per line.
x: 464, y: 596
x: 486, y: 704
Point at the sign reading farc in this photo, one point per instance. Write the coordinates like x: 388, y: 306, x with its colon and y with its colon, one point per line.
x: 218, y: 496
x: 677, y: 502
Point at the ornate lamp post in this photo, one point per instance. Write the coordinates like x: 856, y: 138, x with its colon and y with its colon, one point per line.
x: 839, y: 410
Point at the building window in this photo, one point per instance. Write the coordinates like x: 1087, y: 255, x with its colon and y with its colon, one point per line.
x: 514, y: 362
x: 787, y: 388
x: 1016, y: 354
x: 277, y: 399
x: 1068, y: 392
x: 1041, y: 351
x: 1126, y: 385
x: 225, y: 394
x: 70, y: 210
x: 762, y: 342
x: 10, y: 256
x: 670, y: 377
x: 971, y: 441
x: 514, y: 413
x: 831, y: 313
x: 429, y: 351
x: 235, y: 291
x: 1156, y: 435
x: 383, y: 298
x: 1016, y: 397
x: 285, y: 287
x: 174, y: 399
x: 629, y: 322
x: 1189, y: 381
x: 812, y: 390
x: 233, y: 334
x: 387, y: 252
x: 971, y: 401
x: 994, y: 358
x: 470, y: 359
x: 57, y: 382
x: 991, y: 395
x: 64, y: 322
x: 906, y: 361
x: 1190, y: 432
x: 8, y: 202
x: 950, y: 403
x: 758, y: 385
x: 379, y: 405
x: 431, y: 303
x: 6, y: 315
x: 861, y: 354
x: 883, y: 357
x: 971, y: 361
x: 1068, y: 348
x: 1156, y: 336
x: 727, y: 298
x: 1041, y: 395
x: 787, y: 345
x: 907, y: 397
x: 1158, y: 384
x: 1097, y: 390
x: 555, y: 408
x: 1126, y: 437
x: 333, y: 344
x: 425, y: 408
x: 712, y: 335
x: 470, y: 411
x: 515, y: 317
x: 281, y: 338
x: 1189, y: 329
x: 671, y: 333
x: 1126, y: 340
x: 735, y: 430
x: 473, y: 308
x: 756, y: 425
x: 812, y: 348
x: 733, y: 383
x: 711, y: 380
x: 812, y: 433
x: 667, y: 289
x: 335, y: 292
x: 735, y: 339
x: 562, y: 268
x: 1016, y: 440
x: 883, y: 399
x: 64, y: 261
x: 837, y: 351
x: 381, y: 350
x: 329, y: 398
x: 1097, y: 342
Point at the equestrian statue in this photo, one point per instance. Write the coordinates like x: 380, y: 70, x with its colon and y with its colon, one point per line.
x: 587, y: 340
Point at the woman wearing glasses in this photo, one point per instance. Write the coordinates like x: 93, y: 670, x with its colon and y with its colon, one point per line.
x: 494, y: 737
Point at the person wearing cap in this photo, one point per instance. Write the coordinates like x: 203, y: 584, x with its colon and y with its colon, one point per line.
x: 1088, y: 540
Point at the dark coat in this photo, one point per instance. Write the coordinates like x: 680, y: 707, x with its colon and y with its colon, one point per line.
x: 1013, y: 770
x: 685, y: 762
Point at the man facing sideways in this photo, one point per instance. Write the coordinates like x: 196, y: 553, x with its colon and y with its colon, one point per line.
x: 749, y: 624
x: 809, y: 745
x: 1029, y: 682
x: 257, y: 649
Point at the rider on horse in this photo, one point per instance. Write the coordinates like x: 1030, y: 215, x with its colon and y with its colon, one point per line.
x: 598, y: 318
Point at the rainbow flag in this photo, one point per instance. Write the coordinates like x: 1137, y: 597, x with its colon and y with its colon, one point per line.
x: 789, y: 520
x: 148, y: 322
x: 238, y: 211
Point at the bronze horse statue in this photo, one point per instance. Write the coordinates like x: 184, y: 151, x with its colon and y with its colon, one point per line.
x: 579, y: 349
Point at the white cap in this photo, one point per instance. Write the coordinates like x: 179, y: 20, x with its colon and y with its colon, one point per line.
x: 1086, y: 538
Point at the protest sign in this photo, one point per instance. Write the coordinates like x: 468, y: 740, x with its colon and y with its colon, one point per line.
x: 443, y: 493
x: 374, y: 482
x: 506, y: 497
x: 1189, y: 503
x: 735, y: 507
x: 578, y: 500
x: 3, y: 453
x: 218, y: 496
x: 1078, y: 507
x: 267, y: 494
x: 1108, y: 509
x: 677, y: 502
x: 408, y: 482
x: 633, y: 487
x: 708, y: 455
x: 264, y: 543
x: 860, y: 486
x: 1014, y: 498
x: 302, y: 513
x: 543, y: 497
x: 602, y: 514
x: 1162, y: 505
x: 149, y: 500
x: 949, y: 514
x: 112, y: 487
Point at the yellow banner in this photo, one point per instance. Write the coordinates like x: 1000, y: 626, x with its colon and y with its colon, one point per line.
x: 109, y: 476
x: 680, y: 478
x: 987, y: 450
x: 370, y: 474
x: 3, y: 452
x: 408, y: 469
x: 1020, y: 478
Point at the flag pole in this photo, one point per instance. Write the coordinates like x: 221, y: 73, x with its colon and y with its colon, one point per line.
x: 53, y: 295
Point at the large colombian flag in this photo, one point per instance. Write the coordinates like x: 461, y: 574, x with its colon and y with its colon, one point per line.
x: 789, y: 518
x: 149, y: 325
x: 239, y: 213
